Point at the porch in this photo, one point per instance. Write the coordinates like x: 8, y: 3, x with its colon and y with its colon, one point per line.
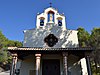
x: 40, y: 61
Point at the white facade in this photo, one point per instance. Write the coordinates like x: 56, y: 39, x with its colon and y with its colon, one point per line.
x: 66, y: 38
x: 50, y: 22
x: 45, y: 16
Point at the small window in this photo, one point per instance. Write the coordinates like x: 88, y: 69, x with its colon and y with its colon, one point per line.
x: 41, y: 22
x: 60, y: 22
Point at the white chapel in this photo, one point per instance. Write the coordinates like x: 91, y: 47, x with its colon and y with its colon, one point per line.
x: 50, y: 49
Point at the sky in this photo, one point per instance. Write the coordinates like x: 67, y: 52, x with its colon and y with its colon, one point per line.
x: 19, y: 15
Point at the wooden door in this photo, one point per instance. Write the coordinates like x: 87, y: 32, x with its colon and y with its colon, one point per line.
x: 51, y: 67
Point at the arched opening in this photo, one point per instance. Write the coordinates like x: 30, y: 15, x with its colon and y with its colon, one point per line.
x: 50, y: 16
x: 59, y: 21
x: 42, y: 21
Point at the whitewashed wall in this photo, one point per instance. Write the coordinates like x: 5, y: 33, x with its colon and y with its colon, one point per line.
x: 35, y: 37
x: 27, y: 65
x: 45, y: 15
x: 84, y: 66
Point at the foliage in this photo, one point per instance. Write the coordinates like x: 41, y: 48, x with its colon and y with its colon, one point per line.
x: 94, y: 70
x: 3, y: 56
x: 83, y: 37
x: 91, y: 40
x: 4, y: 43
x: 95, y: 38
x: 3, y: 40
x: 11, y: 43
x: 95, y: 42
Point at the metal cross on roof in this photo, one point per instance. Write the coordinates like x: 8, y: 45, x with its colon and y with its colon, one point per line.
x: 50, y: 4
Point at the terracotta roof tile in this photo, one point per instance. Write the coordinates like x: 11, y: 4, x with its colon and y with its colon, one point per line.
x: 32, y: 48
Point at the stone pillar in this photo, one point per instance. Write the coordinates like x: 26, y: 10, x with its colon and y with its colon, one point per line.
x: 88, y: 65
x: 14, y: 62
x: 65, y: 54
x: 38, y: 58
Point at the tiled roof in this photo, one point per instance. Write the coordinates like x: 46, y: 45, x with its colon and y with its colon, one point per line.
x: 32, y: 48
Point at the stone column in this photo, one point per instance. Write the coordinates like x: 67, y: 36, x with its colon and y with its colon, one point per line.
x: 88, y: 65
x: 14, y: 62
x: 38, y: 58
x: 65, y: 54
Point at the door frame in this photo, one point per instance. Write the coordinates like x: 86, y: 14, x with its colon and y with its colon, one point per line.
x: 56, y: 60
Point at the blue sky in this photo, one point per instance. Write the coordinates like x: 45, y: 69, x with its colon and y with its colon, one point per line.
x: 19, y: 15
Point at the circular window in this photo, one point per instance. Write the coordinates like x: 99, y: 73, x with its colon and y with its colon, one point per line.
x: 51, y: 40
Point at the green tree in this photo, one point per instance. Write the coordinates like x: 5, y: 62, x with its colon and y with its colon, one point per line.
x: 91, y: 40
x: 3, y: 56
x: 95, y: 42
x: 95, y: 38
x: 4, y: 43
x: 3, y: 39
x: 18, y: 44
x: 83, y: 37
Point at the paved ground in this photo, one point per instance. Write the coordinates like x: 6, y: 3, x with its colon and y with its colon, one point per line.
x: 5, y: 73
